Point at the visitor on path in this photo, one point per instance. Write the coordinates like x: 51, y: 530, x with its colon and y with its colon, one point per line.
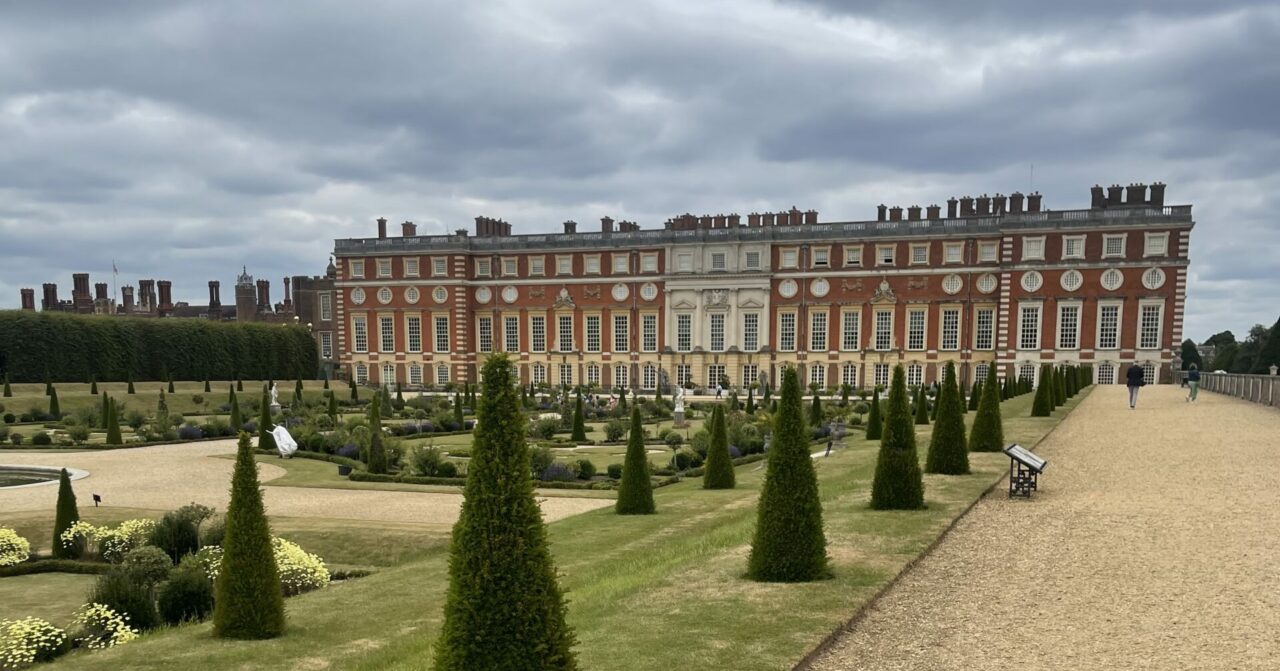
x: 1136, y: 378
x: 1193, y: 381
x: 828, y: 448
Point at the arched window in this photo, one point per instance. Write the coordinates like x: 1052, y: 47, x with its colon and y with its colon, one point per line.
x: 650, y: 377
x: 1106, y: 374
x: 915, y: 375
x: 539, y: 374
x: 593, y: 374
x: 849, y: 375
x: 415, y: 374
x: 362, y: 373
x: 388, y: 374
x: 1149, y: 372
x: 442, y: 375
x: 980, y: 372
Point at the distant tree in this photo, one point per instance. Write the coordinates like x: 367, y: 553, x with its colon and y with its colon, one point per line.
x: 8, y: 391
x: 105, y: 413
x: 54, y: 408
x: 355, y: 392
x: 239, y: 384
x: 718, y: 473
x: 875, y: 424
x: 635, y: 491
x: 237, y: 421
x: 948, y: 451
x: 898, y: 484
x: 1191, y: 355
x: 131, y: 390
x: 266, y: 441
x: 1225, y: 356
x: 1221, y: 338
x: 333, y: 407
x: 66, y: 513
x: 93, y: 387
x: 987, y: 434
x: 207, y: 389
x: 297, y: 391
x: 1269, y: 353
x: 249, y: 602
x: 325, y: 376
x: 113, y: 424
x: 815, y: 411
x: 1247, y: 354
x: 457, y: 410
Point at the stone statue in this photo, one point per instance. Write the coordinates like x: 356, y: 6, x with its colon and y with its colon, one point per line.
x: 274, y: 400
x: 679, y: 400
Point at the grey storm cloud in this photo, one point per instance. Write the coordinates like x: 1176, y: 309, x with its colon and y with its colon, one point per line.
x: 183, y: 140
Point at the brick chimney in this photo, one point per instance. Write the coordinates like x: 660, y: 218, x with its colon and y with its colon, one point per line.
x: 933, y: 212
x: 165, y: 287
x: 1033, y: 202
x: 811, y: 216
x: 951, y: 207
x: 895, y: 213
x: 983, y: 205
x: 264, y: 296
x: 999, y: 205
x: 1136, y: 194
x: 1157, y: 194
x: 966, y: 207
x: 408, y: 230
x: 783, y: 218
x: 1015, y: 202
x: 753, y: 219
x: 570, y: 227
x: 913, y: 213
x: 1115, y: 195
x: 882, y: 212
x: 382, y: 228
x: 768, y: 219
x: 288, y: 297
x: 50, y: 296
x: 100, y: 291
x: 28, y: 298
x: 126, y: 296
x: 1097, y: 197
x: 735, y: 221
x: 606, y: 225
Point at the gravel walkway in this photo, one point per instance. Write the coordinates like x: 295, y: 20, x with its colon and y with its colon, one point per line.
x: 164, y: 477
x: 1152, y: 544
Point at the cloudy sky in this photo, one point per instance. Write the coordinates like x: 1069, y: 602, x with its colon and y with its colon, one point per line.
x: 184, y: 139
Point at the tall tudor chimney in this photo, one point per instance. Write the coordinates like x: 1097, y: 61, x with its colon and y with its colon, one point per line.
x: 882, y: 212
x: 1033, y: 202
x: 165, y: 287
x: 100, y: 291
x: 408, y: 229
x: 288, y: 298
x: 951, y: 207
x: 1157, y: 194
x: 382, y: 228
x: 28, y: 299
x: 126, y: 297
x: 50, y: 301
x: 1015, y: 202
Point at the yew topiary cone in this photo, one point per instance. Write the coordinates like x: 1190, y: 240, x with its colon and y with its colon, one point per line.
x: 249, y: 603
x: 1042, y: 404
x: 875, y: 424
x: 789, y: 545
x: 987, y: 434
x: 922, y: 407
x: 65, y: 515
x: 504, y: 608
x: 718, y: 471
x: 635, y: 491
x: 898, y: 484
x: 579, y: 426
x: 266, y: 441
x: 948, y: 452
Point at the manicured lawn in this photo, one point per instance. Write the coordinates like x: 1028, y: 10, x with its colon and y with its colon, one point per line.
x: 660, y: 591
x: 48, y: 596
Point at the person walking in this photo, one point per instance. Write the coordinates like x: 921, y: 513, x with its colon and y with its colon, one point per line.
x: 1136, y: 378
x: 1193, y: 381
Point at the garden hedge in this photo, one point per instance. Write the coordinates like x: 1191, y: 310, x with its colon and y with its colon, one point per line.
x: 44, y: 346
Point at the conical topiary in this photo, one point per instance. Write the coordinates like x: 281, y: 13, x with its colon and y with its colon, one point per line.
x: 377, y: 452
x: 54, y: 408
x: 326, y: 380
x: 1042, y: 404
x: 237, y: 421
x: 65, y: 515
x: 504, y: 608
x: 875, y: 423
x: 815, y: 411
x: 717, y: 473
x: 457, y: 411
x: 266, y: 441
x: 579, y: 425
x: 898, y: 484
x: 93, y: 387
x: 170, y: 385
x: 104, y: 415
x: 355, y: 393
x: 239, y: 384
x: 207, y: 388
x: 948, y: 451
x: 975, y: 394
x: 8, y: 391
x: 751, y: 401
x: 1059, y: 388
x: 333, y: 407
x: 297, y: 391
x: 922, y: 407
x: 249, y: 603
x: 113, y: 424
x: 231, y: 393
x: 789, y: 545
x: 635, y: 491
x: 987, y: 434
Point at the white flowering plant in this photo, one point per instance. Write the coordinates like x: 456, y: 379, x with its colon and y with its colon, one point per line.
x: 300, y: 571
x: 29, y: 640
x: 14, y: 549
x: 111, y: 543
x: 99, y: 627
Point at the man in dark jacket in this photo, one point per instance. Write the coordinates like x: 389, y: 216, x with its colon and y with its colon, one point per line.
x: 1193, y: 381
x: 1135, y: 378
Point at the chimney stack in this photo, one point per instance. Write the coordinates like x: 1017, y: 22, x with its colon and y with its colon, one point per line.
x: 966, y: 207
x: 50, y: 300
x: 408, y: 230
x: 1033, y: 202
x: 1115, y: 195
x: 166, y: 297
x: 126, y: 295
x: 768, y: 219
x: 100, y: 292
x: 811, y: 216
x: 1097, y: 197
x: 1136, y: 194
x: 288, y: 298
x: 735, y: 221
x: 983, y: 205
x: 895, y: 213
x: 1015, y: 202
x: 913, y: 213
x: 382, y: 228
x: 264, y: 296
x: 999, y: 205
x: 753, y: 219
x: 882, y: 212
x: 951, y: 207
x: 933, y: 212
x: 606, y: 225
x: 1157, y: 195
x: 570, y: 227
x: 783, y: 218
x: 28, y: 299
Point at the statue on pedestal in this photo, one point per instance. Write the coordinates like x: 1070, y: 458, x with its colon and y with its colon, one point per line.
x: 679, y: 407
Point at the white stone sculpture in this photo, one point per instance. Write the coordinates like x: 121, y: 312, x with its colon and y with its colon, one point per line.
x: 285, y: 444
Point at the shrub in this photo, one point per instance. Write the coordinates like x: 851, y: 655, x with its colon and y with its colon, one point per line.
x: 187, y: 596
x: 41, y: 439
x: 673, y: 440
x: 504, y: 608
x: 447, y: 469
x: 29, y: 641
x: 66, y: 514
x: 190, y: 432
x: 14, y: 549
x: 586, y: 469
x: 898, y: 484
x: 248, y: 602
x: 426, y: 461
x: 719, y: 472
x: 300, y: 571
x: 614, y: 471
x: 9, y: 418
x: 686, y: 458
x: 987, y: 434
x: 788, y: 544
x: 579, y: 426
x: 149, y: 565
x: 377, y: 453
x: 614, y: 429
x: 546, y: 428
x: 177, y: 535
x: 213, y: 532
x: 635, y: 491
x: 539, y: 459
x: 349, y: 451
x: 948, y: 453
x: 110, y: 543
x: 127, y: 595
x: 99, y: 627
x: 557, y: 472
x: 78, y: 433
x: 16, y: 439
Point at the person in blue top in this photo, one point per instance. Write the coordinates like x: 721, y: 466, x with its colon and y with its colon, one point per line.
x: 1193, y: 381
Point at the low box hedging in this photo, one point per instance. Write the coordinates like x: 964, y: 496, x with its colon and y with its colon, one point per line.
x: 320, y: 456
x: 54, y: 566
x: 697, y: 472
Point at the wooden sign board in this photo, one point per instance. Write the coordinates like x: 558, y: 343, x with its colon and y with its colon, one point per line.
x: 1026, y: 457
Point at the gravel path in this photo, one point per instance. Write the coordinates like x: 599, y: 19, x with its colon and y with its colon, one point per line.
x: 167, y: 476
x: 1152, y: 544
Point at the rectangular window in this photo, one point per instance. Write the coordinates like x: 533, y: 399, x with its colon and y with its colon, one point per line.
x: 753, y: 261
x: 564, y: 265
x: 1029, y: 327
x: 1149, y: 328
x: 885, y: 254
x: 684, y: 263
x: 326, y: 345
x: 414, y: 329
x: 620, y: 264
x: 818, y: 375
x: 716, y: 333
x: 386, y: 334
x: 415, y: 374
x: 684, y: 374
x: 564, y: 333
x: 750, y: 332
x: 482, y: 267
x: 684, y: 332
x: 1157, y: 244
x: 591, y: 264
x: 849, y: 375
x: 1033, y: 249
x: 750, y: 374
x: 357, y: 268
x: 593, y: 333
x: 439, y: 267
x: 622, y: 333
x: 360, y: 333
x: 537, y: 265
x: 950, y: 329
x: 538, y: 334
x: 953, y: 252
x: 384, y: 267
x: 1068, y: 326
x: 822, y: 258
x: 1108, y: 326
x: 1113, y: 245
x: 884, y: 330
x: 566, y: 375
x: 988, y: 252
x: 510, y: 267
x: 915, y: 329
x: 593, y: 374
x: 411, y: 268
x: 881, y: 375
x: 980, y: 372
x: 718, y: 261
x: 984, y: 328
x: 787, y: 259
x: 817, y: 331
x: 850, y: 330
x: 715, y: 375
x: 539, y: 374
x: 649, y: 263
x: 442, y: 375
x: 362, y: 373
x: 915, y: 375
x: 919, y: 255
x: 649, y: 377
x: 484, y: 334
x: 787, y: 331
x: 620, y: 376
x: 853, y: 256
x: 442, y: 334
x: 648, y: 333
x: 1073, y: 246
x: 326, y: 307
x: 511, y: 333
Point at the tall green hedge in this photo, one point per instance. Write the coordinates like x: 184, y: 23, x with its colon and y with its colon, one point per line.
x: 41, y: 346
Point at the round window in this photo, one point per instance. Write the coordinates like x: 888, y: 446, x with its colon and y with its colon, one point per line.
x: 1112, y: 279
x: 952, y: 284
x: 649, y: 291
x: 484, y: 295
x: 1072, y: 280
x: 357, y: 296
x: 788, y: 288
x: 411, y: 295
x: 510, y: 294
x: 440, y: 295
x: 988, y: 283
x: 1032, y: 281
x: 820, y: 287
x: 620, y: 292
x: 1153, y: 278
x: 384, y: 295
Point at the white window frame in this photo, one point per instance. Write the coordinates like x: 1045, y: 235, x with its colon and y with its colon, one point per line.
x: 789, y: 258
x: 818, y: 323
x: 326, y: 345
x: 621, y: 333
x: 949, y: 329
x: 752, y: 260
x: 360, y: 333
x: 886, y: 255
x: 750, y: 374
x: 850, y: 330
x: 621, y: 263
x: 716, y: 332
x: 821, y: 257
x: 1107, y: 239
x: 538, y: 333
x: 787, y: 331
x: 684, y: 332
x: 919, y: 254
x: 511, y: 333
x: 591, y: 328
x: 1156, y: 341
x: 356, y: 266
x: 413, y: 334
x: 882, y: 322
x: 984, y: 328
x: 621, y: 372
x: 1024, y: 309
x: 649, y: 332
x: 1033, y: 247
x: 649, y: 263
x: 849, y: 375
x: 590, y: 264
x: 818, y: 375
x: 537, y: 266
x: 386, y: 334
x: 439, y: 266
x: 719, y: 262
x: 1069, y: 333
x: 715, y: 371
x: 684, y: 374
x: 564, y: 336
x: 409, y: 266
x: 853, y: 256
x: 566, y: 375
x: 593, y: 373
x: 564, y: 264
x: 648, y: 377
x: 953, y: 252
x: 880, y: 374
x: 1067, y: 241
x: 415, y: 374
x: 442, y: 332
x: 684, y: 263
x: 917, y: 330
x: 362, y: 374
x: 510, y: 266
x: 442, y: 374
x: 751, y: 331
x: 387, y: 375
x: 988, y: 252
x: 484, y: 334
x: 326, y: 307
x: 384, y: 267
x: 1155, y: 244
x: 915, y: 375
x: 1116, y: 327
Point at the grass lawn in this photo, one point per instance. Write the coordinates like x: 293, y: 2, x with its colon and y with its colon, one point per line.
x: 660, y: 591
x: 48, y: 596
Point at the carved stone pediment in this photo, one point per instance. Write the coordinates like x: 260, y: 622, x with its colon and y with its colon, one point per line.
x: 884, y: 293
x: 716, y: 299
x: 684, y: 304
x: 750, y: 303
x: 563, y: 299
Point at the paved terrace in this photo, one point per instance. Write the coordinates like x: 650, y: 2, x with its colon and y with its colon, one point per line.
x: 1152, y: 544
